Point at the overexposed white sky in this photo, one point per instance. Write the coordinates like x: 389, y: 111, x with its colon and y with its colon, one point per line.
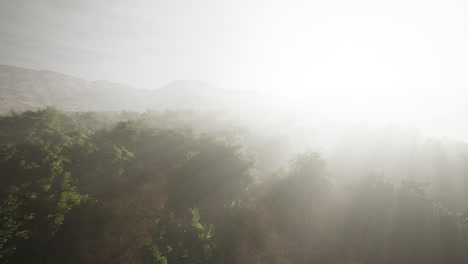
x: 401, y: 60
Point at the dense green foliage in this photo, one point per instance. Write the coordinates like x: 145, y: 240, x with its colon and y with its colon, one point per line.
x: 182, y: 242
x: 189, y: 187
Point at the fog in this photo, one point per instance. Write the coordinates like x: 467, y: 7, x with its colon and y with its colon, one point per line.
x: 404, y: 60
x: 183, y: 132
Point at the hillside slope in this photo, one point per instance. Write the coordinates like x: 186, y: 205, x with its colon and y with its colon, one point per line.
x: 26, y: 89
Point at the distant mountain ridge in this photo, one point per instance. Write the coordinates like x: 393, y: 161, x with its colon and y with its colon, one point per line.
x: 26, y: 89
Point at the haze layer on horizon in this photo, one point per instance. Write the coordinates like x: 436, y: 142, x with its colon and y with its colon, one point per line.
x: 395, y: 61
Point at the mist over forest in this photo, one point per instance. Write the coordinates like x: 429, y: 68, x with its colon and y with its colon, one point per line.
x: 210, y: 184
x: 234, y: 132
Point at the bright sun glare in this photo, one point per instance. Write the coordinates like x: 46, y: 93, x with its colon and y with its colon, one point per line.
x: 403, y: 62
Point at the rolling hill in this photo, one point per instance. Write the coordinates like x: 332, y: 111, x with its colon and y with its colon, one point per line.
x: 26, y: 89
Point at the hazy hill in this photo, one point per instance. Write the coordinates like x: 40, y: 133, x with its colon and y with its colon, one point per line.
x: 23, y: 89
x: 189, y: 94
x: 26, y: 89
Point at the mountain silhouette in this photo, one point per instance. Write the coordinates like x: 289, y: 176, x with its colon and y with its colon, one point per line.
x: 26, y: 89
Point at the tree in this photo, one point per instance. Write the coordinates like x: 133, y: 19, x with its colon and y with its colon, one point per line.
x: 182, y: 241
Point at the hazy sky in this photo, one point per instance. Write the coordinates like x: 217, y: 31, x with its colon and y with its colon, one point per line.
x: 399, y: 59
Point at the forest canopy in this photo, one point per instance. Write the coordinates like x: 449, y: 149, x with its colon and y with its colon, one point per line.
x: 197, y: 187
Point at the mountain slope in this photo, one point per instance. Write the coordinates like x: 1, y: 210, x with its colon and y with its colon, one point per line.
x: 26, y: 89
x: 195, y: 94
